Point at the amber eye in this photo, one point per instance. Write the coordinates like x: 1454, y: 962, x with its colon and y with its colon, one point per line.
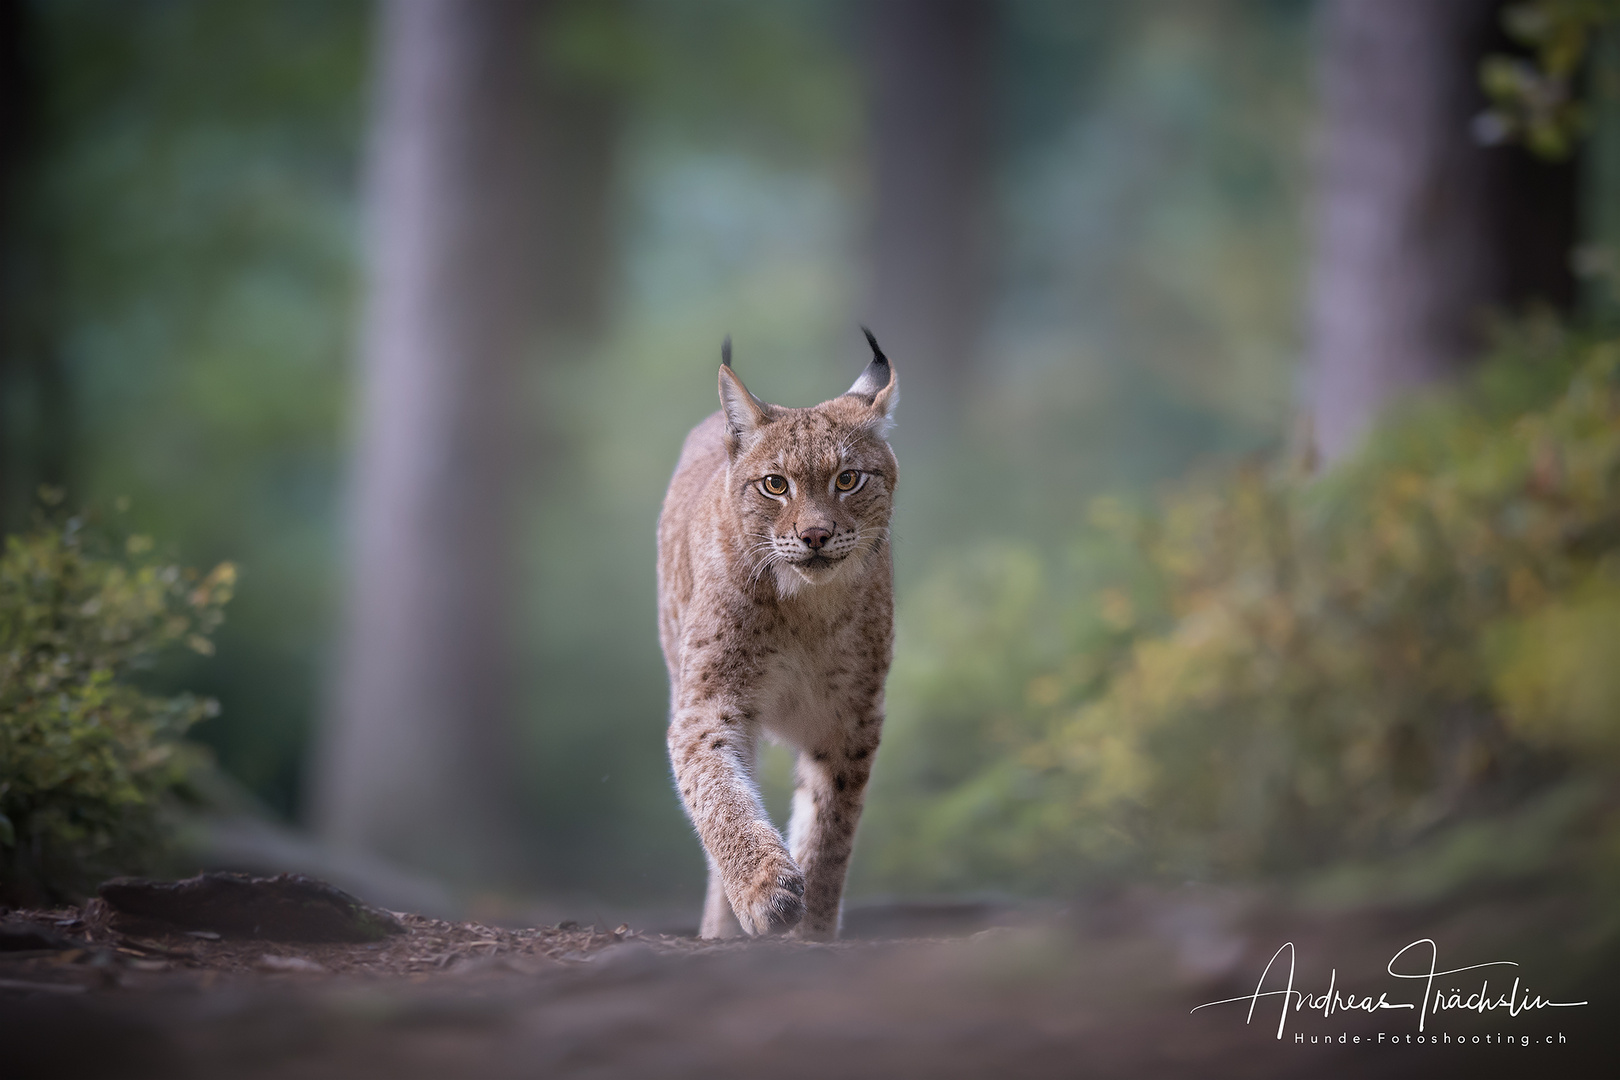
x: 847, y: 480
x: 775, y: 485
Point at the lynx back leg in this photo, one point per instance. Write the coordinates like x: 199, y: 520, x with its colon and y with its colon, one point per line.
x: 826, y: 809
x: 719, y: 921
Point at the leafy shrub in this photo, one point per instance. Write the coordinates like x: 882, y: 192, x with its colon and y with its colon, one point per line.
x: 1272, y: 673
x: 86, y: 756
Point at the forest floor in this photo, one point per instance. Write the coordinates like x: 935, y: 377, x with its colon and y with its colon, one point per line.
x: 1105, y: 988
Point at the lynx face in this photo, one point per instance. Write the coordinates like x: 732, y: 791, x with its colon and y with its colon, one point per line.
x: 814, y: 490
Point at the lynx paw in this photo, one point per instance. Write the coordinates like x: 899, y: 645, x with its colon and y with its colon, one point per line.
x: 772, y: 900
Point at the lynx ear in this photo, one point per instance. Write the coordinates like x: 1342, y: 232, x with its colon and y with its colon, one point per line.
x: 878, y: 386
x: 744, y: 412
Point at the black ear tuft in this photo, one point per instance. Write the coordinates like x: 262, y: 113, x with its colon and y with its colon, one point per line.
x: 877, y: 373
x: 877, y: 353
x: 725, y: 351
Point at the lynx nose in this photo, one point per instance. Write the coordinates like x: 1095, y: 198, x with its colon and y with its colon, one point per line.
x: 815, y: 537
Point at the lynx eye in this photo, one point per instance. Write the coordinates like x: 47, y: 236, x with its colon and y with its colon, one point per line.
x: 847, y: 480
x: 775, y: 485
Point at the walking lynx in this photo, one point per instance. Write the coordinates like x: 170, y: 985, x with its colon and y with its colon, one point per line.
x: 776, y: 615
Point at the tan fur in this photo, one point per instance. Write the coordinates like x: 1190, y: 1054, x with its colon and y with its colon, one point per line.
x: 760, y: 641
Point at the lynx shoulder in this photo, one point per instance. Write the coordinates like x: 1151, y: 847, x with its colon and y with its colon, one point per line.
x: 776, y: 616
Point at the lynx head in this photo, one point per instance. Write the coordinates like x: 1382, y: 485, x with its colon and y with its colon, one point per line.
x: 812, y: 487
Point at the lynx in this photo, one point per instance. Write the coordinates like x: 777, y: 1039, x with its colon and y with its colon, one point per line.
x: 776, y: 616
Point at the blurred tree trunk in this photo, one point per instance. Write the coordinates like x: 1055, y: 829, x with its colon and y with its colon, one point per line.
x: 14, y: 94
x: 930, y: 88
x: 35, y: 418
x: 417, y: 761
x: 1418, y: 229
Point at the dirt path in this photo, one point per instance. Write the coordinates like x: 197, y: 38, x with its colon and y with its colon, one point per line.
x: 1104, y: 991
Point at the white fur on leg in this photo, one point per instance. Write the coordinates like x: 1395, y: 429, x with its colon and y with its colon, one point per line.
x: 719, y: 921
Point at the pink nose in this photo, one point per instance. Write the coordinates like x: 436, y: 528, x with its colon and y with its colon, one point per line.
x: 815, y: 538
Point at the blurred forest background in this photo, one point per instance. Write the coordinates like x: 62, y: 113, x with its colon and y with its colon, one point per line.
x: 403, y: 310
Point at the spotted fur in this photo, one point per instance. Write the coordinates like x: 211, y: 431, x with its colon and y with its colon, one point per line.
x: 776, y: 615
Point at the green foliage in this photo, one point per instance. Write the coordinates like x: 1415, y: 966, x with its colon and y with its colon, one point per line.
x: 1273, y: 673
x: 86, y: 756
x: 1536, y: 103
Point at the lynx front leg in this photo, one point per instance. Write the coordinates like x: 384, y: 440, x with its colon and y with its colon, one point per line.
x: 711, y: 751
x: 719, y: 921
x: 826, y: 809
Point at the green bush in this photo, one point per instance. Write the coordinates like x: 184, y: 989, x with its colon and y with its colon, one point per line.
x: 87, y: 757
x: 1411, y: 657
